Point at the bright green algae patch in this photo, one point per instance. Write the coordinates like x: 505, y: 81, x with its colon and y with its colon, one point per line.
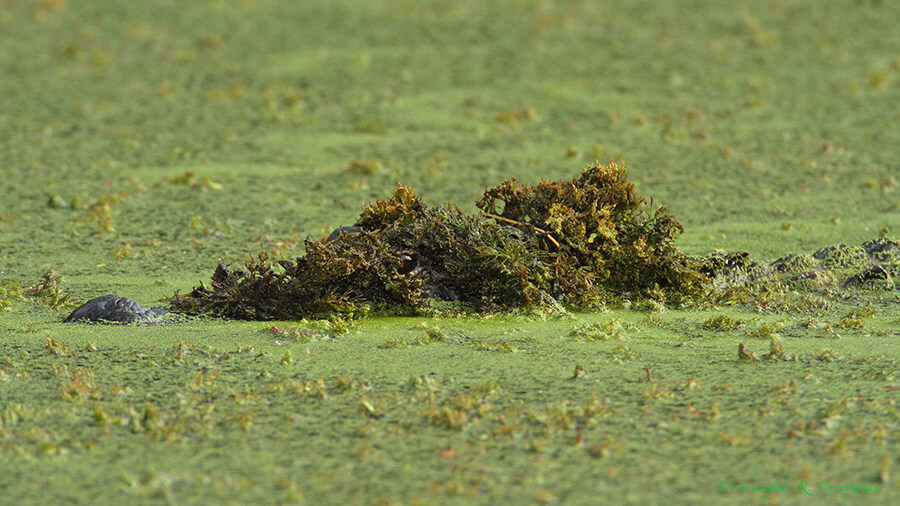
x: 142, y: 143
x: 134, y: 413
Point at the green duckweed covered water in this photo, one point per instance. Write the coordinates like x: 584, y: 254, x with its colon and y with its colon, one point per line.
x: 142, y: 144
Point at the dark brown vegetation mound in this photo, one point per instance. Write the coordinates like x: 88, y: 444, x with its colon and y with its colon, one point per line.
x: 572, y: 243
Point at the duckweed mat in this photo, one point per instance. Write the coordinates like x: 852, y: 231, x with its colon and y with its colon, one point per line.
x: 142, y: 144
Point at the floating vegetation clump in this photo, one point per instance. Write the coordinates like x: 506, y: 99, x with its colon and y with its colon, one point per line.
x: 870, y: 266
x: 555, y: 244
x: 803, y: 283
x: 550, y: 246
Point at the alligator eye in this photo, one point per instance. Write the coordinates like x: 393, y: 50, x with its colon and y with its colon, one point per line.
x: 407, y: 264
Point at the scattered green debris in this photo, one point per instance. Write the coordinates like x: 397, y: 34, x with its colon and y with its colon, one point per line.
x: 745, y: 354
x: 190, y: 179
x: 722, y: 322
x: 502, y: 347
x: 297, y: 334
x: 607, y: 331
x: 850, y: 323
x: 364, y: 167
x: 765, y: 331
x: 776, y: 350
x: 55, y: 347
x: 827, y: 355
x: 432, y: 335
x: 10, y: 292
x: 48, y: 290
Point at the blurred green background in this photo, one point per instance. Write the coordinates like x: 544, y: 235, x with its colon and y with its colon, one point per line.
x: 767, y: 126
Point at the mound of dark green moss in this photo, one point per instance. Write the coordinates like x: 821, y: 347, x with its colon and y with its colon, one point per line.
x: 575, y: 243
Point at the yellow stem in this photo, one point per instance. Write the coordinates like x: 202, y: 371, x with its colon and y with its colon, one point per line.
x: 526, y: 225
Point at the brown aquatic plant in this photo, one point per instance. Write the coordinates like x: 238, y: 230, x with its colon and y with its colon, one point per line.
x: 556, y: 244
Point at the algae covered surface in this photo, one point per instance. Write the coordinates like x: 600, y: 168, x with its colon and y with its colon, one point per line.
x: 142, y: 144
